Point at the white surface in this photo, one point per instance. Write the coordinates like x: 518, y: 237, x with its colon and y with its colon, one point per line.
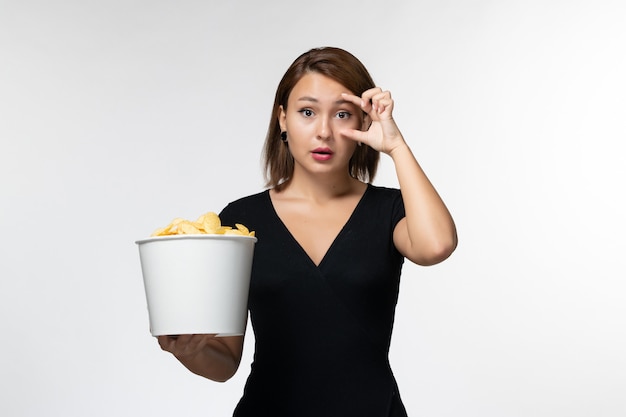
x: 117, y: 116
x: 197, y: 284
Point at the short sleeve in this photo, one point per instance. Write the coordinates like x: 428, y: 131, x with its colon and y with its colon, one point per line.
x: 228, y: 215
x: 397, y: 208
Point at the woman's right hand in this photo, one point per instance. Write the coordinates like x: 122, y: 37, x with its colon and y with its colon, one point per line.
x: 185, y: 345
x: 215, y: 358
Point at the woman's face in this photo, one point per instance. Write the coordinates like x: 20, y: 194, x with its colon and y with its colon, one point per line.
x: 316, y: 113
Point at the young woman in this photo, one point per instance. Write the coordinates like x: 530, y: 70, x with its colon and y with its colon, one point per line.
x: 330, y: 249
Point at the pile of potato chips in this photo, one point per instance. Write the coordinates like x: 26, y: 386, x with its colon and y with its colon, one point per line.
x: 208, y: 223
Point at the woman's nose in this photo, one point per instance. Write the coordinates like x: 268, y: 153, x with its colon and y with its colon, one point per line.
x: 324, y: 129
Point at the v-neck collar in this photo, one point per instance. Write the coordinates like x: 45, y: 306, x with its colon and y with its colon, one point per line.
x: 335, y: 240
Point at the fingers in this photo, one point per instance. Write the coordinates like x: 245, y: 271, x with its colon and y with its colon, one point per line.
x: 374, y: 102
x: 165, y: 342
x: 185, y: 344
x: 357, y: 101
x: 355, y: 135
x: 381, y: 102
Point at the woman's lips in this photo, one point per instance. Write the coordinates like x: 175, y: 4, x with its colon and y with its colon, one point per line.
x: 322, y: 154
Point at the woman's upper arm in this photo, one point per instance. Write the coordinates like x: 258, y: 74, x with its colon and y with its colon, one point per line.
x: 428, y: 251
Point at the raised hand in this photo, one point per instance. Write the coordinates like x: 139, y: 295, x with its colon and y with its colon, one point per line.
x: 379, y: 129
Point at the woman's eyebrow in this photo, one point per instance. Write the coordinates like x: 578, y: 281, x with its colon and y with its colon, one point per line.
x: 314, y: 100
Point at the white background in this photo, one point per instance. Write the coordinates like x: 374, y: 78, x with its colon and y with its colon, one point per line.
x: 116, y: 116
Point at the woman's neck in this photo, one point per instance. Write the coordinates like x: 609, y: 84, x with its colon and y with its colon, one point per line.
x: 322, y: 188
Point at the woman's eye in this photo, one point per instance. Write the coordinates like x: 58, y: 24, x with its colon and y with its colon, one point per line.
x: 343, y: 115
x: 307, y: 112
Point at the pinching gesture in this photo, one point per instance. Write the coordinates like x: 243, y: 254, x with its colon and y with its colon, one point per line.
x: 382, y: 133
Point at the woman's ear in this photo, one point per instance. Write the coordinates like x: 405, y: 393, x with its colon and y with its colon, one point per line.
x: 282, y: 118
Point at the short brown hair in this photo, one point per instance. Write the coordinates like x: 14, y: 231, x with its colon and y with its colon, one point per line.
x: 340, y: 66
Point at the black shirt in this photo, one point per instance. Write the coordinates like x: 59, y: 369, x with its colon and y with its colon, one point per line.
x: 322, y: 333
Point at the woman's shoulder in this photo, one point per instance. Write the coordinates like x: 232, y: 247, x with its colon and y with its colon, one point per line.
x: 383, y: 191
x: 250, y: 199
x: 245, y: 206
x: 386, y: 201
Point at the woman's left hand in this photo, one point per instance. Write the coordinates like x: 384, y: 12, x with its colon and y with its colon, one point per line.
x: 382, y: 134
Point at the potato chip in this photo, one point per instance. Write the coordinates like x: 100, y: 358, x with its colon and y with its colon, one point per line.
x: 161, y: 232
x: 208, y: 223
x: 188, y: 228
x: 243, y: 229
